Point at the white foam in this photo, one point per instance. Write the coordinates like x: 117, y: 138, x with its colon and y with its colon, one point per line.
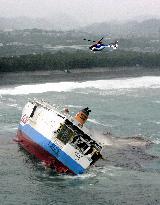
x: 96, y: 122
x: 74, y: 106
x: 156, y: 122
x: 12, y: 105
x: 157, y: 101
x: 81, y: 176
x: 112, y: 84
x: 156, y: 141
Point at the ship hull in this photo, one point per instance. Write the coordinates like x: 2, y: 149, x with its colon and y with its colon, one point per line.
x: 46, y: 151
x: 34, y: 149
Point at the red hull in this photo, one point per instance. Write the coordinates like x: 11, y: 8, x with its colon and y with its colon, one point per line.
x: 41, y: 154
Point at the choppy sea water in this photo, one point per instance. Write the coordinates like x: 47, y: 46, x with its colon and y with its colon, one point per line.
x: 129, y: 108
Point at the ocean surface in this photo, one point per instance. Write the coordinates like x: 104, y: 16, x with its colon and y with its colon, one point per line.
x: 126, y: 107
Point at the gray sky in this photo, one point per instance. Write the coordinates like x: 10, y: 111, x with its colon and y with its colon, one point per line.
x: 88, y: 11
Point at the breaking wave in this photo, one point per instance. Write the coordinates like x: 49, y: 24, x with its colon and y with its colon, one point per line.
x: 98, y: 123
x: 156, y: 141
x: 112, y: 84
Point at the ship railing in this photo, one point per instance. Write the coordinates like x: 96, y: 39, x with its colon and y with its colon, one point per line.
x: 46, y: 105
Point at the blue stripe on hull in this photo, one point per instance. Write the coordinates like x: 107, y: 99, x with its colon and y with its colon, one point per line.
x: 53, y: 149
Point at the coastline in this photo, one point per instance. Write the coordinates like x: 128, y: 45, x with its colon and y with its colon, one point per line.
x: 27, y: 77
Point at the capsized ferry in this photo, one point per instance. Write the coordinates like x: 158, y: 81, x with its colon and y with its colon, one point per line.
x: 57, y: 139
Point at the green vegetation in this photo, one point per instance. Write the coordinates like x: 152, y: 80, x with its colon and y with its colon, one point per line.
x: 37, y: 41
x: 78, y: 59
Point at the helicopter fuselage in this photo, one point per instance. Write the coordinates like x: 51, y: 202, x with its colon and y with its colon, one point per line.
x: 97, y: 47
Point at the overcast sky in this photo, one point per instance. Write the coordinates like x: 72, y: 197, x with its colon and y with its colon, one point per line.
x: 88, y: 11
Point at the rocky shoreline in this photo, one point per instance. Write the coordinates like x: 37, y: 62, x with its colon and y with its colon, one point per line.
x: 74, y: 75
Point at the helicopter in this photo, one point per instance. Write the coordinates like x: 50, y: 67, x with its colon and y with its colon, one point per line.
x: 99, y: 45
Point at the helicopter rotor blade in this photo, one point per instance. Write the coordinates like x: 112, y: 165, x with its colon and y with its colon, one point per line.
x: 101, y: 39
x: 93, y: 41
x: 88, y: 40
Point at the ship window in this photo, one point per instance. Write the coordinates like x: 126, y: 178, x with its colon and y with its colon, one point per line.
x: 65, y: 134
x: 89, y: 151
x: 80, y: 144
x: 96, y: 155
x: 33, y: 111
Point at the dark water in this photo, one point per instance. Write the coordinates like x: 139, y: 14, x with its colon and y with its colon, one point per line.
x: 130, y: 172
